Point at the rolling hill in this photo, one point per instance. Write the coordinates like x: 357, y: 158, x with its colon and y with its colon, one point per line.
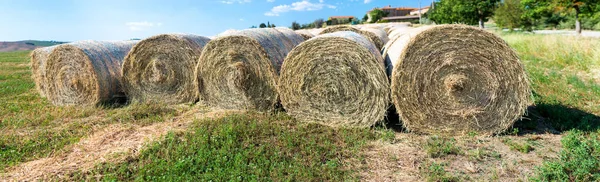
x: 25, y: 45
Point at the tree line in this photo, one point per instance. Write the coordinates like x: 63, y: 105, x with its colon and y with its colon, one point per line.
x: 524, y: 14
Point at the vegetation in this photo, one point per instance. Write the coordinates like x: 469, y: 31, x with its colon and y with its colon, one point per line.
x: 376, y: 15
x: 440, y: 147
x: 578, y: 161
x: 508, y: 14
x: 463, y: 11
x: 435, y: 173
x: 253, y: 147
x: 541, y: 14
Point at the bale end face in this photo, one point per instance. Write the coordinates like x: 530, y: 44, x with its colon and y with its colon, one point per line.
x: 161, y: 68
x: 235, y: 72
x: 456, y: 79
x: 335, y: 80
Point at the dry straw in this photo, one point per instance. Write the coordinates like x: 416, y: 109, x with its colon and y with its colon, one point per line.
x: 335, y: 79
x: 239, y: 70
x: 305, y: 34
x: 86, y: 72
x: 161, y: 69
x: 369, y: 35
x: 456, y: 79
x: 380, y: 33
x: 38, y: 68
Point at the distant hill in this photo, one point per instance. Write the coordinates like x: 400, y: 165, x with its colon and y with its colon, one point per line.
x: 25, y: 45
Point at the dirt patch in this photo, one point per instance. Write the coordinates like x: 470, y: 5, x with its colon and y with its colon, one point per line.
x: 102, y: 146
x: 480, y: 158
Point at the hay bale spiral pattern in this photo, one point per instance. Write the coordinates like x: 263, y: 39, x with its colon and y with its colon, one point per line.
x: 456, y: 79
x: 161, y: 69
x: 239, y: 70
x: 86, y: 72
x: 335, y: 79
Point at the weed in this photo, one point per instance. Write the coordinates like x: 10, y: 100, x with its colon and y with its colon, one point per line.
x: 578, y: 161
x: 440, y: 147
x: 522, y: 147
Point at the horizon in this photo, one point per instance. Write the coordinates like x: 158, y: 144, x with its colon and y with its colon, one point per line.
x: 138, y: 19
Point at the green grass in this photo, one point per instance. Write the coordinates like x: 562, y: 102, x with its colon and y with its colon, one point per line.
x: 567, y: 95
x: 522, y: 147
x: 435, y: 172
x: 560, y: 69
x: 578, y: 161
x: 439, y: 147
x: 252, y: 147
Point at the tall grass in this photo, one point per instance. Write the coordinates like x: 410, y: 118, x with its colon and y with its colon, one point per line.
x: 561, y: 68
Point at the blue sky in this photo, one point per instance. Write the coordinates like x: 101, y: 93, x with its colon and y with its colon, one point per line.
x: 70, y: 20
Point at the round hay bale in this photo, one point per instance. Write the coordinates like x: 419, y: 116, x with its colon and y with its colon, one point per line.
x: 305, y: 34
x: 369, y: 35
x: 335, y: 79
x: 381, y: 35
x: 316, y: 31
x: 385, y: 50
x: 39, y: 57
x: 456, y: 79
x: 338, y: 29
x: 86, y: 72
x: 240, y: 70
x: 161, y: 69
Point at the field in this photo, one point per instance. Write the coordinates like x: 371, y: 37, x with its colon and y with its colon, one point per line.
x: 556, y: 140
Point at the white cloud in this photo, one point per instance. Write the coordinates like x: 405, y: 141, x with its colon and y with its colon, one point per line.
x: 241, y: 19
x: 304, y: 5
x: 142, y: 25
x: 235, y: 1
x: 270, y: 1
x: 368, y: 1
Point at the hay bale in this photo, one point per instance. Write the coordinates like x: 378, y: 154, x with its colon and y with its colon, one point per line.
x: 240, y: 70
x: 38, y: 68
x: 379, y: 33
x: 395, y: 54
x: 305, y: 34
x: 86, y: 72
x: 161, y: 69
x: 456, y: 79
x: 335, y: 79
x: 316, y: 31
x: 369, y: 35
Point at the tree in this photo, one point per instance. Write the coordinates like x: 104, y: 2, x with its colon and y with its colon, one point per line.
x: 295, y: 25
x: 365, y: 18
x: 273, y: 26
x: 508, y: 14
x: 377, y: 14
x: 262, y: 25
x: 319, y: 23
x: 253, y: 26
x: 581, y: 8
x: 470, y: 12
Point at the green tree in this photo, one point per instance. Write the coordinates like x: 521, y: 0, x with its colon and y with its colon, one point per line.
x: 584, y: 8
x: 365, y: 18
x: 295, y: 25
x: 319, y: 23
x: 377, y: 14
x: 509, y: 14
x: 262, y: 25
x: 470, y: 12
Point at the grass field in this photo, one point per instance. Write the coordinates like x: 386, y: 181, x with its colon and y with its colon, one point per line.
x: 557, y: 139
